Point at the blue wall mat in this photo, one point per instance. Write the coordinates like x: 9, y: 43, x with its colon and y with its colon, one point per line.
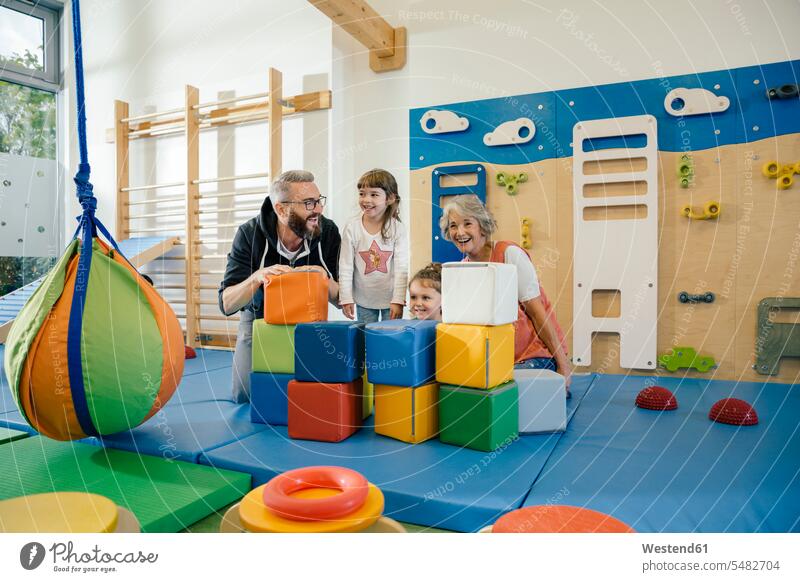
x: 484, y: 116
x: 431, y: 483
x: 749, y: 107
x: 771, y: 117
x: 328, y: 351
x: 208, y: 360
x: 269, y: 398
x: 183, y: 432
x: 445, y: 251
x: 678, y: 471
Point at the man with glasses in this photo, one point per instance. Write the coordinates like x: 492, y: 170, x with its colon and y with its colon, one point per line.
x: 290, y: 232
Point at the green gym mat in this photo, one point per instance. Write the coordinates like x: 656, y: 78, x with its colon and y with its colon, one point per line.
x: 9, y: 434
x: 164, y: 494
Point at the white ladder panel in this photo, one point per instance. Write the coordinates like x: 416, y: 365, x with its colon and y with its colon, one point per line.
x: 616, y: 254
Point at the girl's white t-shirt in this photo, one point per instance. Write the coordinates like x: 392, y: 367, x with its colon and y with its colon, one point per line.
x: 373, y: 272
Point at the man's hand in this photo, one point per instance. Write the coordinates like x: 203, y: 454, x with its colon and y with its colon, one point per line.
x: 316, y: 268
x: 261, y: 275
x: 395, y: 311
x: 349, y: 310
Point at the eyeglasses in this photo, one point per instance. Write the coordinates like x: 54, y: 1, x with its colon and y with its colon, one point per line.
x: 310, y: 203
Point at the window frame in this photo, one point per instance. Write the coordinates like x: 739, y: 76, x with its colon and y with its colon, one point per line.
x: 50, y: 78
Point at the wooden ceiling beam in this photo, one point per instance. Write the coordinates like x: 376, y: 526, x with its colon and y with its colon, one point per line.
x: 386, y: 45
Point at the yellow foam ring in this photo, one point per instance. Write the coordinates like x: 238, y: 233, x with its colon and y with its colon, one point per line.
x: 59, y: 512
x: 255, y: 516
x: 770, y: 169
x: 785, y: 181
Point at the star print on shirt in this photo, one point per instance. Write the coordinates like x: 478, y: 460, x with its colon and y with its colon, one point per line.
x: 375, y: 259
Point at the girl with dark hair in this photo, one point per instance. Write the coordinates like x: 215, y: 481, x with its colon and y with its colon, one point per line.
x: 373, y: 261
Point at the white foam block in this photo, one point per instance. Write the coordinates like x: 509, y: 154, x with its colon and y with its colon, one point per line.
x: 542, y: 401
x: 479, y: 293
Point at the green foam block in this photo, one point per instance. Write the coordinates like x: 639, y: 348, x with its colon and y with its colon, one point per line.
x: 273, y: 348
x: 165, y: 495
x: 479, y: 419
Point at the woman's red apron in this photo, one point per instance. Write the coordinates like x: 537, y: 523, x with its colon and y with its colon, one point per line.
x: 527, y: 343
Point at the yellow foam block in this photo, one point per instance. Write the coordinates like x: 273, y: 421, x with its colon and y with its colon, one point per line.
x: 407, y: 414
x: 369, y: 397
x: 478, y: 356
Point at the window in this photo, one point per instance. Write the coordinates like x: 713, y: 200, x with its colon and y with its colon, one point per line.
x: 29, y: 45
x: 30, y: 211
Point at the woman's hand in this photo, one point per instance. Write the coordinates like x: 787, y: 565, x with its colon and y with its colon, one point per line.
x: 349, y: 310
x: 565, y: 369
x: 395, y: 311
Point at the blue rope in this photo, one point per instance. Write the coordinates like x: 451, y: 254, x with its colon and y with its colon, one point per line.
x: 88, y: 232
x: 85, y: 194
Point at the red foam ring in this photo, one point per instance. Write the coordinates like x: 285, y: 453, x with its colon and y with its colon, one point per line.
x: 656, y: 398
x: 733, y: 411
x: 189, y: 352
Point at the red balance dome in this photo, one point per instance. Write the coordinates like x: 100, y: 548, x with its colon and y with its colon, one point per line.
x: 733, y: 411
x: 656, y: 398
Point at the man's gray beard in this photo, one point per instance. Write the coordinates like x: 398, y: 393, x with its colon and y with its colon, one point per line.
x: 300, y: 227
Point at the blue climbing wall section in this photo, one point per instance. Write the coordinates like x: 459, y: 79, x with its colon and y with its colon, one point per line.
x: 751, y: 116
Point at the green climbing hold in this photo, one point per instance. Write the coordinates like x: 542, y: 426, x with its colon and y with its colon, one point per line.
x: 510, y: 181
x: 685, y: 357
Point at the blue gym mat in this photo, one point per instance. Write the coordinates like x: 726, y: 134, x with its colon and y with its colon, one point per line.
x: 209, y: 360
x: 185, y: 431
x: 677, y: 471
x: 429, y: 484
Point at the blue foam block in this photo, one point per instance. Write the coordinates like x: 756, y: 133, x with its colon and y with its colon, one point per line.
x: 677, y: 471
x: 207, y: 361
x: 269, y: 400
x: 328, y: 351
x: 430, y: 483
x: 401, y: 352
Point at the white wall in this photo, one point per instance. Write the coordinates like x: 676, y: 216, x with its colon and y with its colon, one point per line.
x: 145, y: 52
x: 462, y: 50
x: 459, y: 50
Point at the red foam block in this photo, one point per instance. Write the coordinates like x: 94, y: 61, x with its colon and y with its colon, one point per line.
x: 328, y: 412
x: 189, y: 352
x: 733, y: 411
x: 656, y: 398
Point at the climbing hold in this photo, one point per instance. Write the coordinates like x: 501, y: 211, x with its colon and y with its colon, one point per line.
x: 788, y: 91
x: 733, y: 411
x: 785, y: 181
x: 710, y: 210
x: 685, y: 170
x: 656, y: 398
x: 707, y: 297
x: 525, y: 232
x: 770, y: 169
x: 685, y: 357
x: 510, y: 181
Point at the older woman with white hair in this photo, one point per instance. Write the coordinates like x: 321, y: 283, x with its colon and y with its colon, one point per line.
x: 538, y: 339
